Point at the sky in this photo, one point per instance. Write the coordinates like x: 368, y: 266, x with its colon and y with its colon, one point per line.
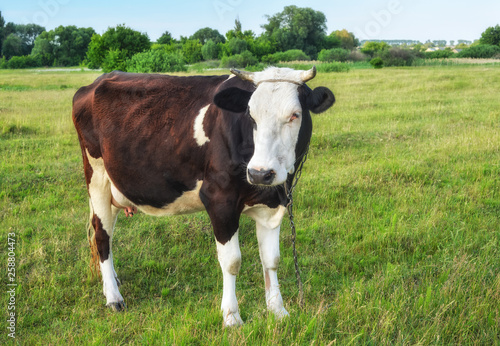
x: 377, y: 19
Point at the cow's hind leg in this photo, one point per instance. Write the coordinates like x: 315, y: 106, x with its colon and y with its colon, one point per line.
x: 103, y: 217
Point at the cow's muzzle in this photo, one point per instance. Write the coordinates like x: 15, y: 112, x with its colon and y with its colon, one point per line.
x: 261, y: 177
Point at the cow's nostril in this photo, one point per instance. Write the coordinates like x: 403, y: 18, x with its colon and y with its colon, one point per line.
x: 269, y: 176
x: 261, y: 177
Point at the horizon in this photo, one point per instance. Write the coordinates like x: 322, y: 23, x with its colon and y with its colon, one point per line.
x: 376, y: 20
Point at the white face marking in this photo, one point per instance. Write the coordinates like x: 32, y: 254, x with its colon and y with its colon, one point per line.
x: 277, y: 113
x: 199, y: 132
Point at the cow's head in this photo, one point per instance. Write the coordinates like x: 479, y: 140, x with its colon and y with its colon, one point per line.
x: 279, y: 108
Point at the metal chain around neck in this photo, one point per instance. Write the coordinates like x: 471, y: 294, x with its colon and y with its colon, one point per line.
x: 289, y: 207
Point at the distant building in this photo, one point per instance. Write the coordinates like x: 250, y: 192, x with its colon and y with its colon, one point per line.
x: 434, y: 49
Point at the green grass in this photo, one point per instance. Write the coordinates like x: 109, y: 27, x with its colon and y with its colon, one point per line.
x: 397, y: 212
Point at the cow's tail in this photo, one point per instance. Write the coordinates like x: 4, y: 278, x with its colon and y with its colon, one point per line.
x: 94, y: 253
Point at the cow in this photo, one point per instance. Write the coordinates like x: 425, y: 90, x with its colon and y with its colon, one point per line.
x: 168, y: 145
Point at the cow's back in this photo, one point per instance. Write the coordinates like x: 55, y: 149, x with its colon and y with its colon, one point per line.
x: 127, y: 103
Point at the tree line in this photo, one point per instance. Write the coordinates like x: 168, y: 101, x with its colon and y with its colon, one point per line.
x: 293, y: 34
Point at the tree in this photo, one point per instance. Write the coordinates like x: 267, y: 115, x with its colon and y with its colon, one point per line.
x: 9, y: 28
x: 191, y: 50
x: 28, y: 33
x: 261, y: 46
x: 2, y: 25
x: 63, y: 46
x: 44, y: 43
x: 491, y: 36
x: 236, y: 32
x: 205, y: 34
x: 166, y: 38
x: 96, y: 52
x: 297, y: 28
x: 371, y: 48
x: 210, y: 50
x: 44, y: 48
x: 332, y: 41
x: 121, y: 38
x: 347, y: 39
x: 439, y: 43
x: 71, y: 44
x: 12, y: 46
x: 237, y: 45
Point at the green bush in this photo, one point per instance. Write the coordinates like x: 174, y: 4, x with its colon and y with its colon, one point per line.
x: 3, y: 63
x: 24, y: 61
x: 156, y: 61
x: 482, y: 51
x: 44, y: 59
x: 377, y: 62
x: 289, y: 55
x: 333, y: 67
x: 239, y: 60
x: 114, y: 59
x: 372, y: 48
x: 322, y: 67
x: 355, y: 56
x: 439, y: 54
x: 397, y: 57
x: 334, y: 54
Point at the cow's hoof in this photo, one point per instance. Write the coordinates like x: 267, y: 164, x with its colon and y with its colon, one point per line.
x: 281, y: 313
x: 232, y: 319
x: 117, y: 306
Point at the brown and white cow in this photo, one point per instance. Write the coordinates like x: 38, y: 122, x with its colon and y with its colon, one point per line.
x: 170, y: 145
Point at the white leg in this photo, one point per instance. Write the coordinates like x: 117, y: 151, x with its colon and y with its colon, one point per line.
x: 103, y: 221
x: 110, y: 280
x: 268, y: 234
x: 270, y: 256
x: 110, y: 284
x: 230, y: 262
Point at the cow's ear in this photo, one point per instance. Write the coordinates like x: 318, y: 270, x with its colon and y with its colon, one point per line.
x: 233, y: 99
x: 321, y: 99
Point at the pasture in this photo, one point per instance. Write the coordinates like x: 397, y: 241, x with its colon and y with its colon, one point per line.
x: 398, y: 216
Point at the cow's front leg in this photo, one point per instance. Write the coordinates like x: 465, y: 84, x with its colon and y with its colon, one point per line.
x: 221, y: 206
x: 269, y: 249
x: 268, y: 221
x: 230, y: 262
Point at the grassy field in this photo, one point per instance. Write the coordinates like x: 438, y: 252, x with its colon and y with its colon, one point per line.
x: 398, y: 214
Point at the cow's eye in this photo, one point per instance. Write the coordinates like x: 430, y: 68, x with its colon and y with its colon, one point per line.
x: 294, y: 116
